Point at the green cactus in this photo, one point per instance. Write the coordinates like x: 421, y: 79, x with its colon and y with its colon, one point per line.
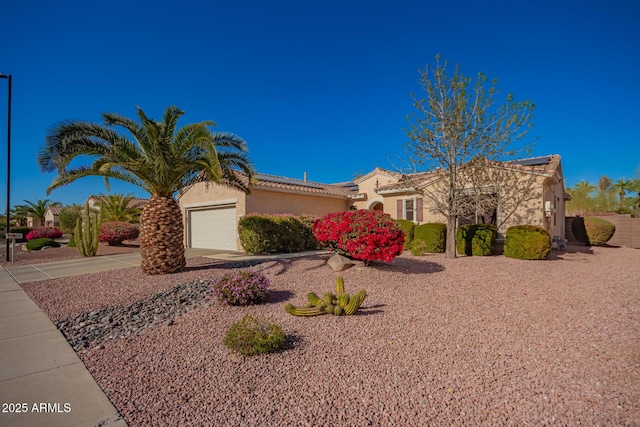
x: 87, y: 232
x: 339, y: 285
x: 343, y: 300
x: 314, y: 299
x: 355, y: 302
x: 337, y: 305
x: 306, y: 312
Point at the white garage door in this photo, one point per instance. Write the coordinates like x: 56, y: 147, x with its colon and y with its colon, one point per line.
x: 213, y: 228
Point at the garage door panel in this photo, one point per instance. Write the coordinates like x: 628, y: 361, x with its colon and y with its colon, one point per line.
x: 213, y: 228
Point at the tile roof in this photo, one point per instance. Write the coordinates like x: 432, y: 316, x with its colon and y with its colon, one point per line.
x: 408, y: 183
x: 280, y: 183
x: 55, y: 210
x: 545, y: 165
x: 135, y: 202
x: 377, y: 171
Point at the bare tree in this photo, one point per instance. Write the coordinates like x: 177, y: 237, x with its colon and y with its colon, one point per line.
x: 462, y: 136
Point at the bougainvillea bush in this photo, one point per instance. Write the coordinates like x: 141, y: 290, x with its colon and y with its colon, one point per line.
x: 43, y: 232
x: 115, y: 232
x: 362, y: 234
x: 241, y: 287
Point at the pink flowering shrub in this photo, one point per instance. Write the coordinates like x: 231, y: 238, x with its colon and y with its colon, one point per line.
x: 362, y: 234
x: 44, y: 232
x: 241, y: 287
x: 115, y: 232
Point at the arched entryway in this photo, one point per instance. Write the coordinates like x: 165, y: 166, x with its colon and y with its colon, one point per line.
x: 376, y: 205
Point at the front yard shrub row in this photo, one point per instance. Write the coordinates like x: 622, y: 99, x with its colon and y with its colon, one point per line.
x: 592, y: 231
x: 362, y: 234
x: 476, y: 239
x: 267, y: 234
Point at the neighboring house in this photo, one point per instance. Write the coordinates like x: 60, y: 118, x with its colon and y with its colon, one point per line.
x: 52, y: 216
x: 211, y: 211
x: 94, y: 202
x: 32, y: 222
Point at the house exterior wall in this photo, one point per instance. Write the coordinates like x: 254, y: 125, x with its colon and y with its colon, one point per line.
x: 204, y: 194
x: 51, y: 220
x: 522, y: 199
x: 368, y: 186
x: 275, y: 202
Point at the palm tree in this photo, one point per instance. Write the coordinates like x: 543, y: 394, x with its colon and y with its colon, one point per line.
x: 160, y: 159
x: 38, y: 209
x: 19, y: 214
x: 605, y: 198
x: 622, y: 186
x: 116, y: 207
x: 581, y: 200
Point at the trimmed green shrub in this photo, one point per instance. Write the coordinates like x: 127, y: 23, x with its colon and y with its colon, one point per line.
x: 408, y: 228
x: 308, y: 239
x: 527, y: 242
x: 254, y: 335
x: 592, y: 231
x: 476, y: 239
x: 72, y: 241
x: 268, y: 234
x: 37, y: 244
x: 418, y: 247
x: 434, y: 236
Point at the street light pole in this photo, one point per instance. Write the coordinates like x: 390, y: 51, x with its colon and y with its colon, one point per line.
x: 3, y: 76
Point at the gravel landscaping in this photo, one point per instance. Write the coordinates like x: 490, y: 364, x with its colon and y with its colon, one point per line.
x: 472, y: 341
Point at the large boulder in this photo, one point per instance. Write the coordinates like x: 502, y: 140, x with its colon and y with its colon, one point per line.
x: 339, y: 263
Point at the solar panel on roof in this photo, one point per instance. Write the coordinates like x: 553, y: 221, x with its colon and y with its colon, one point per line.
x: 290, y: 181
x: 537, y: 161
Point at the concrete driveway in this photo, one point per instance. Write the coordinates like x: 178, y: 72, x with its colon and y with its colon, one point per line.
x: 54, y: 270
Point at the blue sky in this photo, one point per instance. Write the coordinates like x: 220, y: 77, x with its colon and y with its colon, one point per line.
x: 318, y: 87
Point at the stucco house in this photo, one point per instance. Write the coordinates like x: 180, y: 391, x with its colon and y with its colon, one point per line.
x: 211, y: 212
x: 52, y: 216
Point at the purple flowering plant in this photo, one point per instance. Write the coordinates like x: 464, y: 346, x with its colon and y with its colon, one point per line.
x: 241, y: 287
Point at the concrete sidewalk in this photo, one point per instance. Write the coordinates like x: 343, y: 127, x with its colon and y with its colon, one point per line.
x: 42, y: 380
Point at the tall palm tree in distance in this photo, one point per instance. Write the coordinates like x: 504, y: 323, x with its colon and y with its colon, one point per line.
x: 622, y: 185
x: 156, y: 156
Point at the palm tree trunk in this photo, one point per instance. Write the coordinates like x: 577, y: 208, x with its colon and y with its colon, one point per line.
x: 161, y: 236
